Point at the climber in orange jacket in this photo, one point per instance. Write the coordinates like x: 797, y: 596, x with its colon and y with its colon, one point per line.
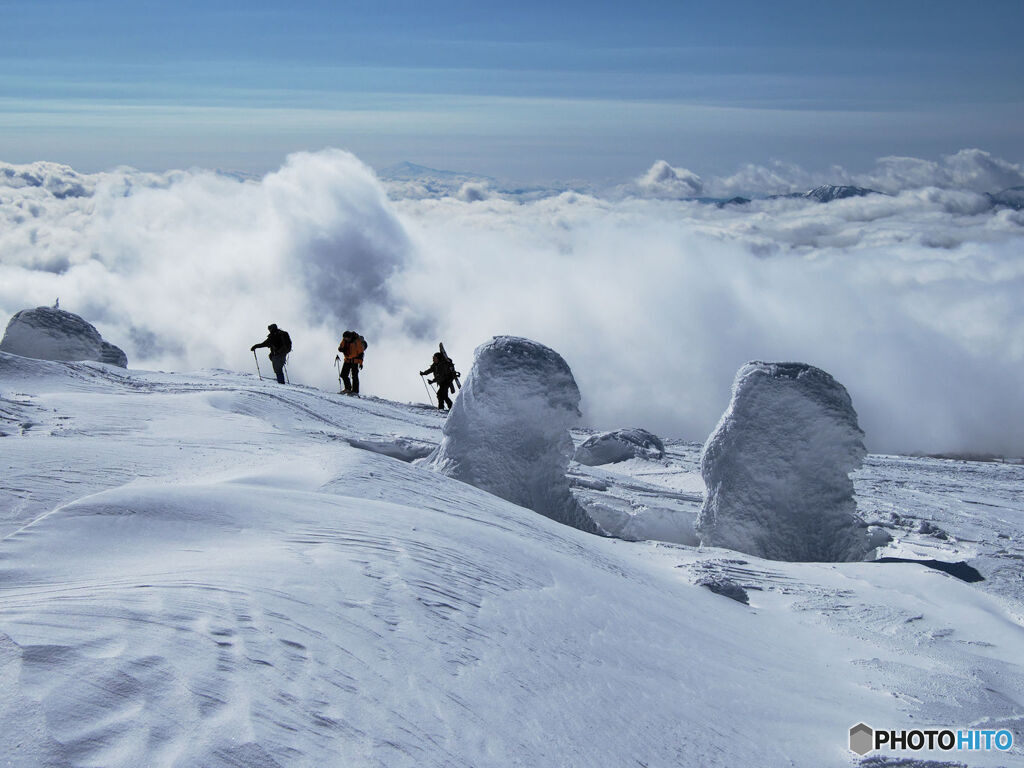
x: 351, y: 348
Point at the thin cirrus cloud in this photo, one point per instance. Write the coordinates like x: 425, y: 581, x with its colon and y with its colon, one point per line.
x: 911, y: 299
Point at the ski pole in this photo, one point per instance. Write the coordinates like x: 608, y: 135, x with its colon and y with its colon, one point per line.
x: 258, y: 372
x: 427, y: 387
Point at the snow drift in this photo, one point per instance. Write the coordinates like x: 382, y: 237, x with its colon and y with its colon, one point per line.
x: 777, y: 468
x: 508, y: 431
x: 49, y: 333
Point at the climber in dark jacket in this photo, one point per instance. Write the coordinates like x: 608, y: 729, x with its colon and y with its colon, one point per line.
x: 280, y: 344
x: 444, y: 375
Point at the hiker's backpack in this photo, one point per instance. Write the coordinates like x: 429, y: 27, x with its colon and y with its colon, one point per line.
x: 286, y: 342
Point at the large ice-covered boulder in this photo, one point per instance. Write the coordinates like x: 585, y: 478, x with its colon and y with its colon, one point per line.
x: 777, y: 468
x: 48, y: 333
x: 508, y: 431
x: 619, y: 445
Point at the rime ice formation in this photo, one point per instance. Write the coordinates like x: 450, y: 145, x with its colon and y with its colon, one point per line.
x: 619, y: 445
x: 48, y: 333
x: 508, y: 432
x: 777, y: 468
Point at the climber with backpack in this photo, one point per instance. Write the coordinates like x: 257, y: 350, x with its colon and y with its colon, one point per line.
x: 351, y: 349
x: 280, y: 344
x: 445, y: 376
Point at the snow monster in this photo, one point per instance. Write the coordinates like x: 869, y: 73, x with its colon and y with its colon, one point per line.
x: 777, y: 468
x: 50, y: 333
x: 508, y: 432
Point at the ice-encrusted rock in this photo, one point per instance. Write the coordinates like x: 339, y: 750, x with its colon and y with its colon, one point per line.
x: 777, y: 468
x: 508, y: 431
x: 48, y: 333
x: 725, y: 587
x: 619, y: 445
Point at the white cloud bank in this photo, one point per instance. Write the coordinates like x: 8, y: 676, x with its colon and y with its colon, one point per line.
x: 662, y: 180
x: 913, y: 301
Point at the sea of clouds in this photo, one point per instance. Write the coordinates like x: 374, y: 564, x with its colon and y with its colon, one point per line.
x: 913, y: 299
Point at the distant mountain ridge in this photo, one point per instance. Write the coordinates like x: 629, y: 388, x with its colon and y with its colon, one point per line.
x: 826, y: 193
x: 407, y: 171
x: 1009, y: 198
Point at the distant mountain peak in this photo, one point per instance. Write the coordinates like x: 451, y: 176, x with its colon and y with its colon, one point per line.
x: 826, y: 193
x: 1009, y: 198
x: 407, y: 171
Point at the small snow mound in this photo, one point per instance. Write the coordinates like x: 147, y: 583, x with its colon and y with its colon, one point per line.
x: 777, y: 468
x: 402, y: 448
x: 619, y: 445
x: 48, y: 333
x: 508, y: 432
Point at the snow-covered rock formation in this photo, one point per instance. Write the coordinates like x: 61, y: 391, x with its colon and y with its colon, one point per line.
x: 619, y: 445
x: 777, y: 468
x: 508, y: 431
x: 48, y: 333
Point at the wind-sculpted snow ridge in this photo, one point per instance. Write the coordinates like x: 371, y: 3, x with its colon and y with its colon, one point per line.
x: 619, y: 445
x: 777, y: 468
x: 48, y: 333
x: 508, y: 432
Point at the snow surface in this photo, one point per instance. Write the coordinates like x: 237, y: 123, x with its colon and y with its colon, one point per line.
x: 48, y: 333
x: 777, y: 467
x: 508, y: 430
x: 204, y: 570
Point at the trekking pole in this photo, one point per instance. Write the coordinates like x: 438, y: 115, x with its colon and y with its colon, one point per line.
x: 427, y: 387
x: 258, y: 372
x: 285, y: 367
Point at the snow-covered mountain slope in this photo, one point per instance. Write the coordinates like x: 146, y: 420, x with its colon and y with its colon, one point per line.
x: 209, y: 570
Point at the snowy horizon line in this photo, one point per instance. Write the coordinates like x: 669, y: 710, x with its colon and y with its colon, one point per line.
x: 969, y: 169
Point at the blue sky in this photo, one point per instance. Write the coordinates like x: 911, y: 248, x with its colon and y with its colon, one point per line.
x: 528, y: 91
